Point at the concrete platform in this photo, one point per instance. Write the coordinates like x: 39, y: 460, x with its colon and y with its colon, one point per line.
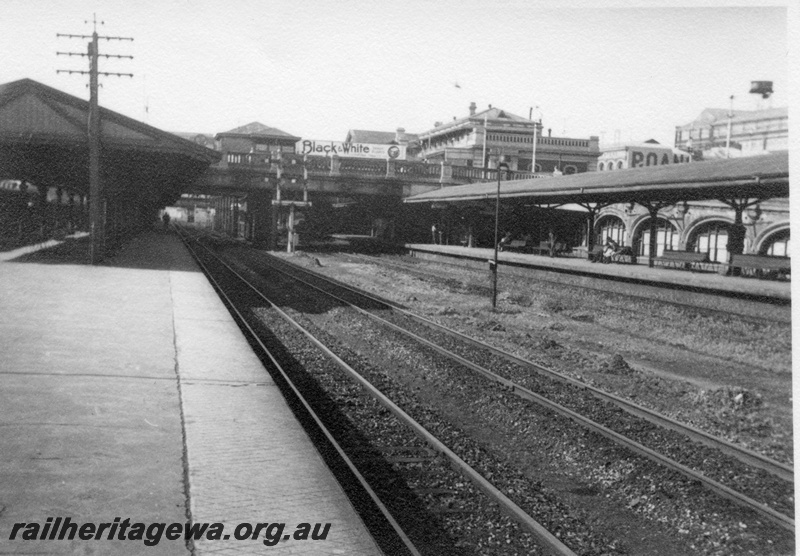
x: 745, y: 296
x: 128, y: 392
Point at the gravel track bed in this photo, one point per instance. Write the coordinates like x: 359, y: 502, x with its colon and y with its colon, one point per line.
x: 473, y: 524
x: 659, y: 495
x: 714, y: 411
x: 755, y: 483
x: 702, y: 521
x: 477, y: 526
x: 553, y: 515
x: 439, y: 509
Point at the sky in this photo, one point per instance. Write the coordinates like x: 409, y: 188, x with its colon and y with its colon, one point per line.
x: 625, y: 71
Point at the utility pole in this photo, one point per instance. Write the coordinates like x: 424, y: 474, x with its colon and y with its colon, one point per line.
x: 96, y: 212
x: 728, y: 140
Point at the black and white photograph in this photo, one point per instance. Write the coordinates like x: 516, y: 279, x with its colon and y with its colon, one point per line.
x: 419, y: 278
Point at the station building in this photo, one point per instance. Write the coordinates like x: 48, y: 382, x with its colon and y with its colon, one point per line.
x: 703, y: 226
x: 476, y: 140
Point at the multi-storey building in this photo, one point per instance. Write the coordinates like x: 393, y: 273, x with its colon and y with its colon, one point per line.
x: 752, y: 132
x: 705, y: 226
x: 477, y: 139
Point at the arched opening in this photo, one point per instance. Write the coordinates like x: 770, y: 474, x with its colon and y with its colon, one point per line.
x: 601, y: 166
x: 776, y: 245
x: 712, y: 238
x: 610, y: 226
x: 619, y: 165
x: 666, y: 237
x: 570, y: 170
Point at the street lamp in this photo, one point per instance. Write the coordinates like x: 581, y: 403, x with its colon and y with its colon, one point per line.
x: 501, y: 167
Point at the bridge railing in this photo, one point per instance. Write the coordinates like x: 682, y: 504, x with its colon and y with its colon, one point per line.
x: 417, y: 169
x: 248, y: 159
x: 363, y: 166
x: 293, y: 165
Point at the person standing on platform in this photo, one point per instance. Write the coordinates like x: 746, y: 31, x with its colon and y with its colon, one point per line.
x: 165, y: 219
x: 433, y: 233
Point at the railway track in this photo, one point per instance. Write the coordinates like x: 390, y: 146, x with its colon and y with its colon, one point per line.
x: 422, y: 449
x: 370, y: 305
x: 780, y: 471
x: 420, y: 270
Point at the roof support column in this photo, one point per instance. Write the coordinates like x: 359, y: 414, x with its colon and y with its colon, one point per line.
x: 235, y: 217
x: 593, y: 209
x: 737, y: 231
x: 653, y: 209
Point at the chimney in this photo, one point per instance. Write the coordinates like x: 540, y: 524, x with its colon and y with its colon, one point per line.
x: 400, y: 136
x: 472, y: 108
x: 549, y: 131
x: 490, y: 107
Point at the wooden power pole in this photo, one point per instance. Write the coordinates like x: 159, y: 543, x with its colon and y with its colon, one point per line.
x: 96, y: 200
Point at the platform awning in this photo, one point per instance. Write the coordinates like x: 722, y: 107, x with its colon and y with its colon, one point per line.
x: 763, y: 177
x: 43, y: 140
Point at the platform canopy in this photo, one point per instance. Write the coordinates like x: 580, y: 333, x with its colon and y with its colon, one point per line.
x: 761, y: 177
x: 44, y: 140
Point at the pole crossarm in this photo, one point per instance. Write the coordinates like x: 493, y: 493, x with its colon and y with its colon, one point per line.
x: 97, y: 199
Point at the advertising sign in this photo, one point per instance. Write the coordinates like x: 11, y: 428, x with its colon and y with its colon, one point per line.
x: 657, y: 157
x: 350, y: 150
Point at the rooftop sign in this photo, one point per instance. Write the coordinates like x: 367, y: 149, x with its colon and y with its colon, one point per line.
x: 350, y: 150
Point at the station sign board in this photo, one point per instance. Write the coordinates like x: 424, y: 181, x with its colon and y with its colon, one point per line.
x: 350, y: 150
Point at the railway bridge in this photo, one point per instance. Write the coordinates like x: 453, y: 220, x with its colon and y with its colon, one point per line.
x: 256, y: 196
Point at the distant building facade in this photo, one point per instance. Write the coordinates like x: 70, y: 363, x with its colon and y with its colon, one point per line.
x: 639, y: 155
x: 255, y: 138
x: 478, y: 138
x: 703, y: 226
x: 752, y: 132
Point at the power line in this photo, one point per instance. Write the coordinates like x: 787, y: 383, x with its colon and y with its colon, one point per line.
x: 96, y: 201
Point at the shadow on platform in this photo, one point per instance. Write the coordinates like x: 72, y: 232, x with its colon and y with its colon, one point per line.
x: 148, y: 251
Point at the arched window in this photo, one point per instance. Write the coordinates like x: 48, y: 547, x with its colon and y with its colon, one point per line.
x: 776, y: 245
x: 601, y: 166
x: 619, y: 165
x: 711, y: 238
x: 666, y: 238
x: 610, y: 226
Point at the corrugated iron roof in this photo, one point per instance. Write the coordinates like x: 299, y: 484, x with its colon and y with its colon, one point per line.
x: 33, y: 112
x: 766, y: 175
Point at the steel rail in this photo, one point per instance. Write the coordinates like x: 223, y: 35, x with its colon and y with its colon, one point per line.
x: 340, y: 451
x: 781, y: 470
x: 722, y: 490
x: 644, y: 296
x: 542, y: 535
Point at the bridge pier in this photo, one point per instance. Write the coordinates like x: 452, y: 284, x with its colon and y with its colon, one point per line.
x: 262, y: 220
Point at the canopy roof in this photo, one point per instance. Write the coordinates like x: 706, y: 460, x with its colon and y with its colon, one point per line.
x: 44, y: 140
x: 762, y: 177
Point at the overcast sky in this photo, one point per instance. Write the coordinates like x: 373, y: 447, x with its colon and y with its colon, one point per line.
x: 316, y: 69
